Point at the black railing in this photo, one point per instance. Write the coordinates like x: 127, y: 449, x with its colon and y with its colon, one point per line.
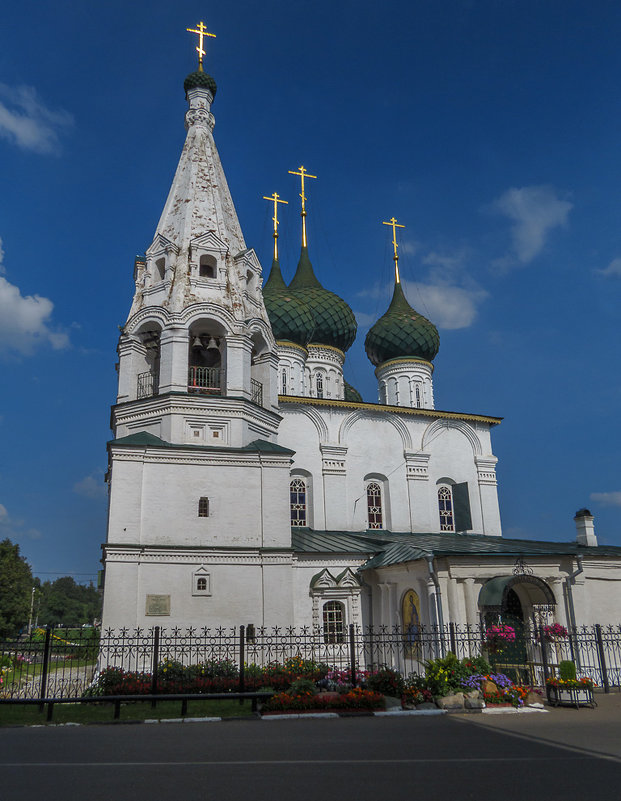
x: 71, y: 664
x: 147, y: 385
x: 256, y: 395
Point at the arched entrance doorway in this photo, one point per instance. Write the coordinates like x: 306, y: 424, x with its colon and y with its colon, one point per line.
x: 513, y: 601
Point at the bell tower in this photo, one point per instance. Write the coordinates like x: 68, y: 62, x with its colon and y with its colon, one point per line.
x: 194, y: 467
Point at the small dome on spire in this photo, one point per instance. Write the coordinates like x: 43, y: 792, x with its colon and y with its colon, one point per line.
x: 290, y: 317
x: 401, y: 333
x: 335, y: 324
x: 200, y: 79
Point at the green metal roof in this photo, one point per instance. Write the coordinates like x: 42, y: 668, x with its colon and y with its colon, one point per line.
x: 390, y: 548
x: 200, y: 79
x: 401, y: 333
x: 334, y: 321
x: 290, y: 317
x: 145, y: 440
x: 351, y: 393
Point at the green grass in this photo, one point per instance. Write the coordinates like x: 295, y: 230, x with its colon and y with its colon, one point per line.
x: 29, y: 715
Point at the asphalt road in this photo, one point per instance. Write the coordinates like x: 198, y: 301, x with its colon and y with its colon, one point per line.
x: 457, y: 757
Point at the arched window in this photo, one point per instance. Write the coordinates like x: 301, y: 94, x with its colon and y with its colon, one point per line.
x: 207, y: 267
x: 333, y: 622
x: 445, y: 506
x: 201, y: 583
x: 203, y: 507
x: 374, y: 505
x: 160, y: 269
x: 417, y: 395
x: 284, y: 382
x: 319, y: 384
x: 297, y: 494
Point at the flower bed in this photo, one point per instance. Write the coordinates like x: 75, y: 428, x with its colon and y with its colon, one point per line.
x: 357, y: 698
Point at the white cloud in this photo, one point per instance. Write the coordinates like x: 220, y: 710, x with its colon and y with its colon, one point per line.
x: 534, y: 211
x: 14, y: 529
x: 606, y: 498
x: 364, y: 319
x: 24, y: 320
x: 27, y: 122
x: 612, y: 271
x: 91, y: 486
x: 447, y: 306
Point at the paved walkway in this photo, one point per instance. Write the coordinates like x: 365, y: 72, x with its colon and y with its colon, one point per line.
x: 596, y: 731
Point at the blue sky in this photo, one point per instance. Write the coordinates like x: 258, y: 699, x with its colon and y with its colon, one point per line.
x: 488, y: 128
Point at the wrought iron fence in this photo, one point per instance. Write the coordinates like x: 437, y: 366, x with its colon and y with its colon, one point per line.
x: 69, y: 663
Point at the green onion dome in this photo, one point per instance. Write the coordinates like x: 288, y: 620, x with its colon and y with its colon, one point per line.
x: 291, y: 319
x: 335, y: 324
x: 351, y: 393
x: 401, y: 333
x: 200, y: 79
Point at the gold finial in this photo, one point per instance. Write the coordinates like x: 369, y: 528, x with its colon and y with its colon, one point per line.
x: 301, y: 171
x: 202, y: 32
x: 393, y: 222
x: 275, y: 198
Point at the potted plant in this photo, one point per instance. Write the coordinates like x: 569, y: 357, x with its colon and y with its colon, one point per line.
x: 498, y: 637
x: 567, y: 690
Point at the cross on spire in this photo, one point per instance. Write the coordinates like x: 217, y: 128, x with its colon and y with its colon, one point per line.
x: 301, y: 171
x: 201, y: 30
x: 393, y: 222
x: 275, y: 198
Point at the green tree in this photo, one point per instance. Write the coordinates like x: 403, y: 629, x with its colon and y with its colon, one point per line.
x: 15, y: 589
x: 64, y: 601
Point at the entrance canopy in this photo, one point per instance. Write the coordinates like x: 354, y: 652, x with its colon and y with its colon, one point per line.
x: 494, y: 592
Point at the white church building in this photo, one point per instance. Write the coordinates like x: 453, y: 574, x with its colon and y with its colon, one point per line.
x: 250, y: 484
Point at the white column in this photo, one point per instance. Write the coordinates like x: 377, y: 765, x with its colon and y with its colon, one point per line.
x: 417, y: 474
x: 472, y: 613
x: 174, y: 356
x: 132, y: 361
x: 488, y: 491
x: 238, y: 355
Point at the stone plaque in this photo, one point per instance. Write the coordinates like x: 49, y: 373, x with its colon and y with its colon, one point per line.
x: 158, y: 605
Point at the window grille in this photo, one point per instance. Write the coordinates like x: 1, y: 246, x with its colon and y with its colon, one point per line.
x: 203, y: 507
x: 201, y: 584
x: 418, y: 396
x: 333, y: 622
x: 445, y: 505
x: 319, y: 384
x: 297, y: 492
x: 374, y: 505
x: 284, y: 382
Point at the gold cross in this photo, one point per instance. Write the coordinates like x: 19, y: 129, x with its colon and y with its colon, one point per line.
x: 303, y: 174
x: 275, y: 198
x: 202, y: 32
x: 393, y: 222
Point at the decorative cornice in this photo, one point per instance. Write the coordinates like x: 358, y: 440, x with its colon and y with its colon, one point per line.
x: 378, y: 407
x: 394, y: 362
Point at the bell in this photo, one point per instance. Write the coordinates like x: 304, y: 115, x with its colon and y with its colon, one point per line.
x: 197, y: 343
x: 212, y: 344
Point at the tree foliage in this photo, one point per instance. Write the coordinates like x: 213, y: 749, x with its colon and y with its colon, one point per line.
x: 64, y: 601
x: 16, y: 584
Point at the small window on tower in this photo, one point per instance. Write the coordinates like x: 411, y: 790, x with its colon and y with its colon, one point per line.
x: 284, y: 382
x: 418, y: 396
x: 207, y: 268
x: 203, y: 507
x: 319, y: 385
